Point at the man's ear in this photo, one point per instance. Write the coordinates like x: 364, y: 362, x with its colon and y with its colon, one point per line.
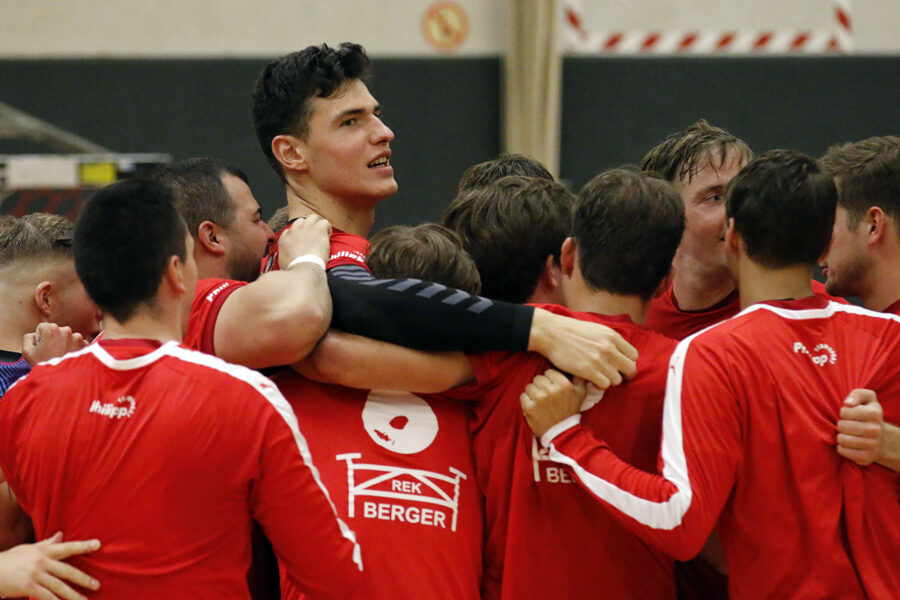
x: 876, y: 224
x: 175, y: 274
x: 42, y: 299
x: 209, y: 237
x: 551, y: 273
x: 567, y: 256
x: 732, y: 238
x: 290, y: 151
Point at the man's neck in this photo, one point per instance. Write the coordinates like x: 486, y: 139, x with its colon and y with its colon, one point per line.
x: 209, y: 267
x: 15, y: 321
x: 10, y: 338
x: 583, y: 299
x: 146, y: 324
x: 760, y: 284
x: 882, y: 286
x: 342, y: 215
x: 695, y: 291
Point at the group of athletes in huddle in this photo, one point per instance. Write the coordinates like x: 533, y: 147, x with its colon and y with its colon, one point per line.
x: 545, y: 396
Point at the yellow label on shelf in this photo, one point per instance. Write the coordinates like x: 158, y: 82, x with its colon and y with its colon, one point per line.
x: 97, y: 173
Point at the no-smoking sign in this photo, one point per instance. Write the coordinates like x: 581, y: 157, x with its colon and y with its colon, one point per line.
x: 445, y: 25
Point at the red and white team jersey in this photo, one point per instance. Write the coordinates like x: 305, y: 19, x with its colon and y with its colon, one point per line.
x: 668, y: 319
x: 893, y: 309
x: 749, y: 441
x: 547, y: 538
x: 399, y: 468
x: 346, y: 249
x: 165, y: 455
x: 209, y: 297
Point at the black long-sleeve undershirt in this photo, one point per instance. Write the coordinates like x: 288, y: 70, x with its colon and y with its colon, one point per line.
x: 424, y: 315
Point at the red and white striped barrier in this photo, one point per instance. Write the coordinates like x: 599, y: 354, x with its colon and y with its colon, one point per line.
x: 581, y: 41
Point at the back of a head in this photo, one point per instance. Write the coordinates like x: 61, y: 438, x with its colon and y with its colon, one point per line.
x: 867, y: 174
x: 509, y: 228
x: 628, y: 225
x: 199, y: 193
x: 124, y: 237
x: 783, y: 205
x: 429, y: 252
x: 285, y: 86
x: 486, y: 173
x: 36, y: 236
x: 685, y: 152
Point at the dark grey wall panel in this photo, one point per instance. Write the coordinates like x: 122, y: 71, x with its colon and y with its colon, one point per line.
x: 444, y: 114
x: 615, y: 109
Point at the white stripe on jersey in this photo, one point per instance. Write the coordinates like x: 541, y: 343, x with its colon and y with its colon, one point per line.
x: 258, y: 382
x: 668, y: 514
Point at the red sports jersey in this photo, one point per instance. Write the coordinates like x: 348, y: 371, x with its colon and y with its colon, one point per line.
x: 165, y: 455
x: 749, y: 440
x: 209, y: 297
x: 668, y: 319
x: 346, y: 249
x: 399, y: 468
x: 546, y: 537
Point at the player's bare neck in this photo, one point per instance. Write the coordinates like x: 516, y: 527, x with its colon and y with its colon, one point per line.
x: 345, y: 216
x: 15, y: 320
x: 211, y: 266
x: 147, y: 323
x: 759, y: 284
x: 11, y: 341
x: 695, y: 291
x: 880, y: 287
x: 582, y: 299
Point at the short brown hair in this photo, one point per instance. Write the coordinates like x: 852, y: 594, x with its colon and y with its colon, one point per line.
x: 510, y: 228
x: 489, y: 171
x: 683, y: 153
x: 429, y: 252
x: 628, y: 225
x: 36, y: 235
x: 867, y: 174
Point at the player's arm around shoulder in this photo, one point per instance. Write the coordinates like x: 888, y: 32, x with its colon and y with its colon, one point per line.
x: 278, y: 318
x: 551, y: 399
x: 589, y: 350
x: 355, y: 361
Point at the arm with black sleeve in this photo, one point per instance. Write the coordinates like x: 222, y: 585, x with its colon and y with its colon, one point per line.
x: 430, y: 316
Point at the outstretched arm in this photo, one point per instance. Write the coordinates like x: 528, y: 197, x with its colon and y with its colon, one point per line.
x: 354, y: 361
x: 675, y: 511
x: 428, y: 316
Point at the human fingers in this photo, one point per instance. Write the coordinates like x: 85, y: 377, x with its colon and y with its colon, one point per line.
x: 860, y: 396
x: 556, y: 379
x: 64, y: 572
x: 67, y: 549
x: 864, y: 412
x: 580, y: 386
x: 55, y: 588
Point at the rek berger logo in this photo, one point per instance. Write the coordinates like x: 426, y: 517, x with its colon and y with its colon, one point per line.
x: 821, y: 355
x: 122, y: 408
